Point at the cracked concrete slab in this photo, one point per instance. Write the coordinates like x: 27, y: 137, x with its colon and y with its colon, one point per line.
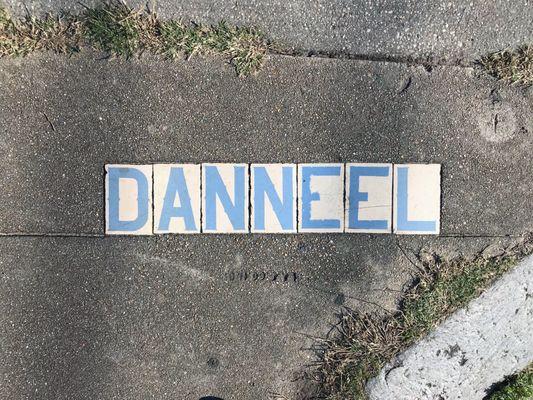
x: 63, y: 119
x: 188, y: 316
x: 473, y: 349
x: 442, y: 31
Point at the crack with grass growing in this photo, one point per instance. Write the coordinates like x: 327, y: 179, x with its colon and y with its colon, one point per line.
x: 121, y: 31
x: 366, y: 342
x: 511, y: 66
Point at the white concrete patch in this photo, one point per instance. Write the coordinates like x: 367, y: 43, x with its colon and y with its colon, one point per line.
x: 128, y: 199
x: 320, y: 197
x: 417, y: 199
x: 225, y: 198
x: 368, y: 198
x: 177, y: 198
x: 273, y: 198
x: 473, y: 349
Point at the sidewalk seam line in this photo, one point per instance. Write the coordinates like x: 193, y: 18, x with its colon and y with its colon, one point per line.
x: 102, y: 235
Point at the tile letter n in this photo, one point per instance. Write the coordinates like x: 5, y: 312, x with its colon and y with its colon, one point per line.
x: 225, y: 198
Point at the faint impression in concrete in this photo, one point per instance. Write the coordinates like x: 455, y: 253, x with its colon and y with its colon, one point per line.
x: 497, y: 122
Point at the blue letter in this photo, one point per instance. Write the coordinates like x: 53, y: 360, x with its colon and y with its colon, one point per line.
x: 177, y: 184
x: 403, y: 223
x: 114, y: 223
x: 283, y: 209
x: 308, y: 197
x: 215, y: 188
x: 356, y: 196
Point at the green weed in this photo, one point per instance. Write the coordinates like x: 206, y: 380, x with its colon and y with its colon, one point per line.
x: 517, y: 387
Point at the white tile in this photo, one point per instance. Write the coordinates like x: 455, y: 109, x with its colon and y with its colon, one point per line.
x: 177, y: 198
x: 416, y: 199
x: 368, y: 198
x: 273, y: 202
x: 128, y: 199
x: 225, y: 206
x: 320, y: 197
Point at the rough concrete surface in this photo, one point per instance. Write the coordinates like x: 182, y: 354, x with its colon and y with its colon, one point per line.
x: 444, y: 31
x: 173, y: 316
x: 63, y: 119
x: 473, y: 349
x: 184, y: 317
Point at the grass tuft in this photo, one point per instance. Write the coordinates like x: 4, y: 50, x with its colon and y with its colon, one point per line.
x: 512, y: 66
x: 245, y: 47
x: 21, y: 37
x: 517, y: 387
x: 367, y: 341
x: 121, y: 31
x: 114, y: 28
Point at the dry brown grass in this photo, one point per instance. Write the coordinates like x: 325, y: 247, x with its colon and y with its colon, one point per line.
x: 21, y: 37
x: 512, y: 66
x: 121, y: 31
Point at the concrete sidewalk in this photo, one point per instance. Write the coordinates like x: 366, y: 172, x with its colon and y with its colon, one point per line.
x: 85, y: 316
x: 65, y: 118
x: 186, y: 317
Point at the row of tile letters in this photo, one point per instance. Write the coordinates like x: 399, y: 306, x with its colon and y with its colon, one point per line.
x: 272, y: 198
